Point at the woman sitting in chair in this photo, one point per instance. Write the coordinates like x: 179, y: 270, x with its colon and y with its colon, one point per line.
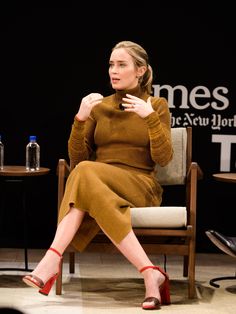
x: 128, y: 132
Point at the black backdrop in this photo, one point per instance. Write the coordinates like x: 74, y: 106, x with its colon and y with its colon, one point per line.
x: 52, y: 56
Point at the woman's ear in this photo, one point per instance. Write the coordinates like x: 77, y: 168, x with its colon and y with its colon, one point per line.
x: 141, y: 71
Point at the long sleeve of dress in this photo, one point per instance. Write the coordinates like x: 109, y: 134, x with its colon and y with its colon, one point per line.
x: 158, y: 124
x: 81, y: 147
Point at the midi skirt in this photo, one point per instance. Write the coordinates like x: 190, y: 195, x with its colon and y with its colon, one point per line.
x: 106, y: 192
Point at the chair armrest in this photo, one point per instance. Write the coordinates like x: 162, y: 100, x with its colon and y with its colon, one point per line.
x: 199, y: 173
x: 63, y: 170
x: 199, y: 170
x: 193, y: 175
x: 196, y: 167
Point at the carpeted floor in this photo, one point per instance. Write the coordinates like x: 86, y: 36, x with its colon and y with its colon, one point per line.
x: 105, y: 283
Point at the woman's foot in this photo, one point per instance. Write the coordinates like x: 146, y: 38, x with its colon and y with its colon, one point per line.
x: 157, y: 287
x: 45, y: 271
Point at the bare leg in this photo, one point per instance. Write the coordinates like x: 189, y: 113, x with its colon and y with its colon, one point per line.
x: 135, y: 254
x: 67, y: 228
x: 65, y: 232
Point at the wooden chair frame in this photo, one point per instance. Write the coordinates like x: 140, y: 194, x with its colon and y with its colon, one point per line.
x: 186, y: 237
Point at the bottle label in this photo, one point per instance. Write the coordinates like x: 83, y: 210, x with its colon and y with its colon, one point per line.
x: 32, y: 158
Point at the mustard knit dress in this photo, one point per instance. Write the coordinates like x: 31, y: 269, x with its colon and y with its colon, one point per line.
x: 113, y: 154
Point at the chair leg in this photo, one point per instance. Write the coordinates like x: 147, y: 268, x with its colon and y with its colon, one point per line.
x: 71, y: 269
x: 191, y: 272
x: 59, y: 281
x: 72, y: 262
x: 185, y: 269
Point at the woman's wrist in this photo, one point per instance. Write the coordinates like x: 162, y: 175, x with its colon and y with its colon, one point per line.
x: 79, y: 118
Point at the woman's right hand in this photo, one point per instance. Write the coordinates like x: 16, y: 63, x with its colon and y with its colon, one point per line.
x: 87, y: 104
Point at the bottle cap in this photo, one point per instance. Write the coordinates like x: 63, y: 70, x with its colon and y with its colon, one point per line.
x: 32, y: 138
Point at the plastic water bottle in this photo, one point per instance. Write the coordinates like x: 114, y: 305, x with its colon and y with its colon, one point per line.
x: 32, y: 154
x: 1, y: 153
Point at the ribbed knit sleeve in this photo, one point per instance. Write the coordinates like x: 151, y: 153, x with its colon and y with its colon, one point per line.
x: 158, y: 123
x: 80, y: 147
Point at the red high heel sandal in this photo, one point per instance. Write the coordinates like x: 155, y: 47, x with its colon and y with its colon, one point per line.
x: 36, y: 282
x: 164, y: 291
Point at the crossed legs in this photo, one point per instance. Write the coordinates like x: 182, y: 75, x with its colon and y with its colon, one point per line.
x: 129, y: 247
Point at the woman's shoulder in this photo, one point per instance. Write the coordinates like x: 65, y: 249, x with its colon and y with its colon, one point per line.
x: 158, y: 102
x: 108, y: 98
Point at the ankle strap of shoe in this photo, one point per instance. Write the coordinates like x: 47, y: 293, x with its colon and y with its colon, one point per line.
x: 147, y: 267
x: 55, y: 251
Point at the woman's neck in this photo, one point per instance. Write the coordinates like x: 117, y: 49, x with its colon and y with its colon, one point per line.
x: 136, y: 91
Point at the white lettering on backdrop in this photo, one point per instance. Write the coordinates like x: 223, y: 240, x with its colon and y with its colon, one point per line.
x: 226, y: 142
x: 200, y: 98
x: 197, y: 93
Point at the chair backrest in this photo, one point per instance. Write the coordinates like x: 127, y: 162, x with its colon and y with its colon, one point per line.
x: 175, y: 172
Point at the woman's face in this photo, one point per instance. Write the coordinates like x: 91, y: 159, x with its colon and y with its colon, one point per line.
x: 122, y: 71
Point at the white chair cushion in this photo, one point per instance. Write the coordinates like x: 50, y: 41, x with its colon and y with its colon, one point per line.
x: 159, y: 217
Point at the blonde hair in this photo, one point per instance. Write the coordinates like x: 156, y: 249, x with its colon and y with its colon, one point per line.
x: 140, y: 58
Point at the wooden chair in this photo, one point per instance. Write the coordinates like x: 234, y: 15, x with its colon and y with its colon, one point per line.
x: 164, y: 229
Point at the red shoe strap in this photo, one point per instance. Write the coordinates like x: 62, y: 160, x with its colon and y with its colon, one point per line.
x: 147, y: 267
x: 154, y: 267
x: 55, y: 251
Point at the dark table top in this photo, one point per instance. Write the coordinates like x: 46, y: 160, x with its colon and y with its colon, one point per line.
x: 20, y: 171
x: 225, y: 177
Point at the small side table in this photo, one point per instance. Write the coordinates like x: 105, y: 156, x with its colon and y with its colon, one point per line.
x: 228, y: 177
x: 19, y: 174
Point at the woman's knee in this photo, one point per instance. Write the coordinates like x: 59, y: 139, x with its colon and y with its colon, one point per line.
x: 77, y: 212
x: 84, y: 166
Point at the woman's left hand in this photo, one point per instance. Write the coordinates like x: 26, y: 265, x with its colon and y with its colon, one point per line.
x: 137, y: 105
